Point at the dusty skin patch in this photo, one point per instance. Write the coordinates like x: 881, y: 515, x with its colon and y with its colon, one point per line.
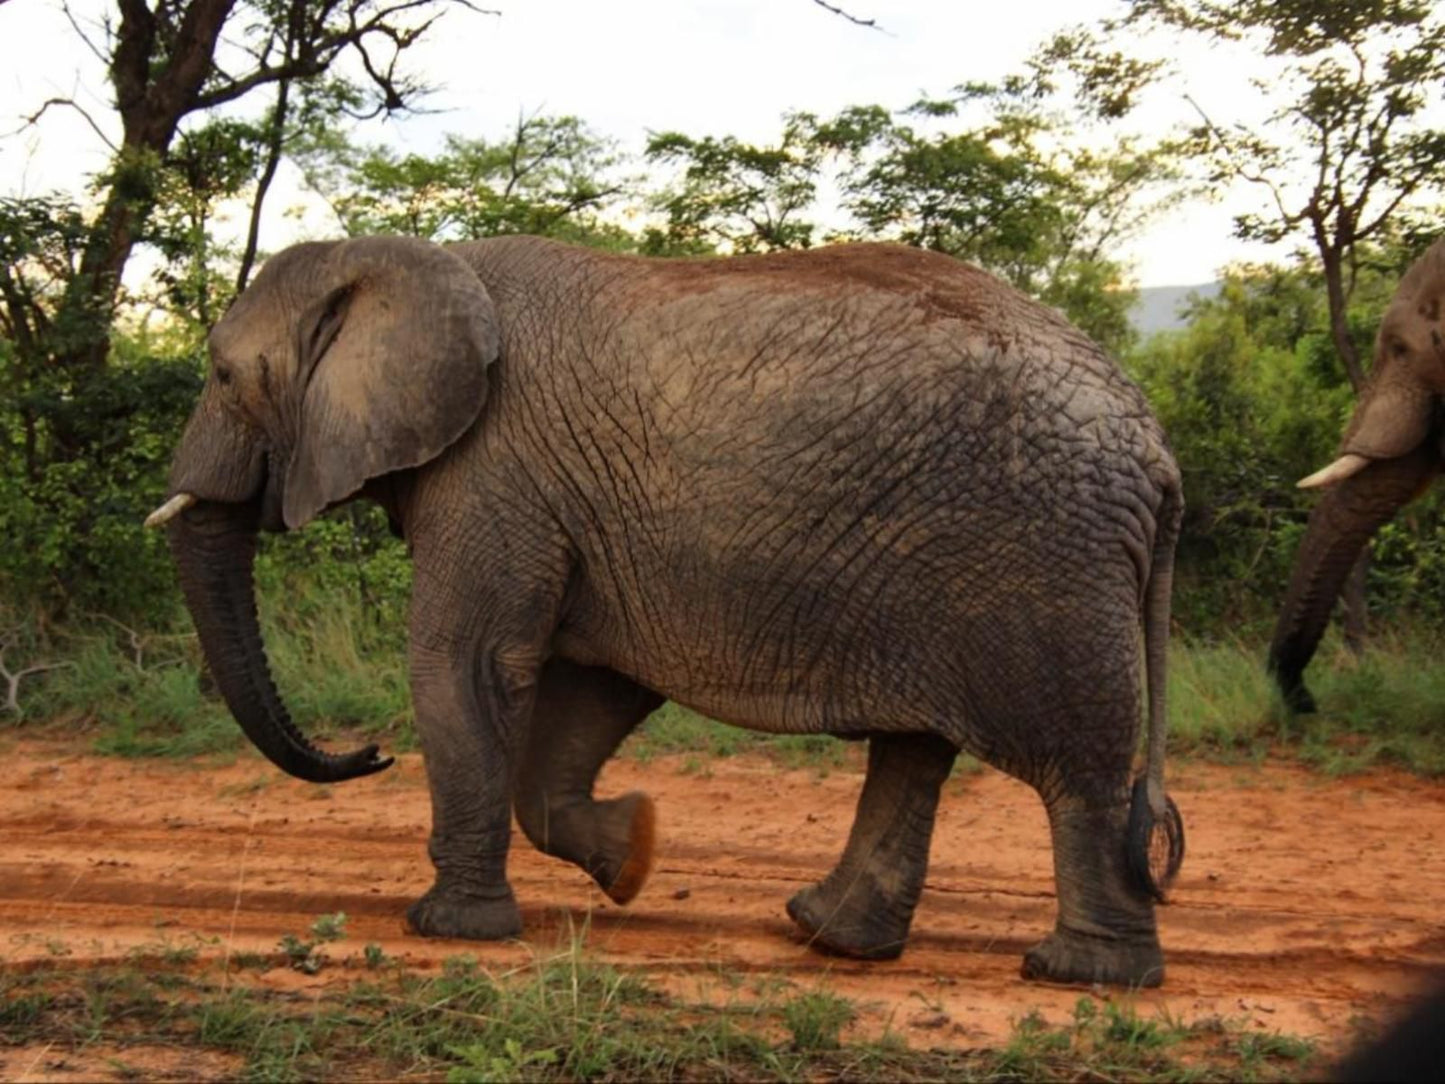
x: 1304, y: 904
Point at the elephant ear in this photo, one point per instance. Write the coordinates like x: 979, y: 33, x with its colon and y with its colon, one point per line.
x: 393, y: 357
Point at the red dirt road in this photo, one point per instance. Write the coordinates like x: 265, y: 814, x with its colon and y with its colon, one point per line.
x: 1303, y: 901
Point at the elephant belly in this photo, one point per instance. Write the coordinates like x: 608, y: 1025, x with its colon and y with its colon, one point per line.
x: 901, y: 647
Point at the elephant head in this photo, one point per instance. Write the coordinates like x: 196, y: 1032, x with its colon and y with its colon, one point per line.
x: 341, y: 363
x: 1390, y: 453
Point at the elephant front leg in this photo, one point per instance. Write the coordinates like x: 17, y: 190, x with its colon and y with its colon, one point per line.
x: 468, y: 711
x: 865, y: 906
x: 582, y: 714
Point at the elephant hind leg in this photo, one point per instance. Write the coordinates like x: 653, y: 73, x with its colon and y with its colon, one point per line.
x: 582, y: 714
x: 865, y: 906
x: 1105, y: 931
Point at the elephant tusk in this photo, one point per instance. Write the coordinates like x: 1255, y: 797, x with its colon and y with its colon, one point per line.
x: 172, y: 508
x: 1338, y: 471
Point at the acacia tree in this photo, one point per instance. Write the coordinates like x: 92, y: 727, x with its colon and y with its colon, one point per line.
x: 1347, y: 153
x: 1348, y: 146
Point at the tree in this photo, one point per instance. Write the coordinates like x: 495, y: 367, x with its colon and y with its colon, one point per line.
x: 1005, y: 192
x: 553, y: 176
x: 163, y: 61
x: 736, y: 196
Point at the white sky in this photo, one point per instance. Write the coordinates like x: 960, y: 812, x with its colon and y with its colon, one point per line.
x: 628, y: 67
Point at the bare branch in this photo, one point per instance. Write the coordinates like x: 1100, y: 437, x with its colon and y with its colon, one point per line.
x: 34, y: 118
x: 14, y: 678
x: 1252, y: 176
x: 98, y: 53
x: 137, y: 639
x: 871, y: 24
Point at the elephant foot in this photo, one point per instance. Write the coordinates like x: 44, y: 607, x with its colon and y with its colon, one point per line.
x: 1068, y: 957
x: 452, y: 913
x: 627, y: 835
x: 855, y: 921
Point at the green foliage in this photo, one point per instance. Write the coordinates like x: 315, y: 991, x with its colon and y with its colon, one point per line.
x: 553, y: 177
x: 1252, y: 399
x: 736, y: 196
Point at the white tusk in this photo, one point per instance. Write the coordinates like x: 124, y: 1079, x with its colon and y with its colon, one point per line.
x: 1338, y: 471
x: 172, y: 508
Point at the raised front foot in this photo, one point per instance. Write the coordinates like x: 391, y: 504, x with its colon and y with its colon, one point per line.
x: 452, y: 913
x: 855, y: 921
x: 1069, y: 957
x: 626, y: 845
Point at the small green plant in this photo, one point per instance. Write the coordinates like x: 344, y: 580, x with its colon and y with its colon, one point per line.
x: 373, y: 956
x: 482, y: 1064
x: 307, y: 956
x: 329, y: 927
x: 1256, y: 1047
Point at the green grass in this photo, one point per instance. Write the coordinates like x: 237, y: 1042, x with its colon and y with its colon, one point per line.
x: 565, y: 1016
x: 340, y: 662
x: 1385, y: 709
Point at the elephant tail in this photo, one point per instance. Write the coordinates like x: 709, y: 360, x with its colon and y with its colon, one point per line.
x: 1155, y: 860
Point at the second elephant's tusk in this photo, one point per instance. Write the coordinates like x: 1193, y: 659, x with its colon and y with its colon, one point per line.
x: 172, y: 508
x: 1338, y: 471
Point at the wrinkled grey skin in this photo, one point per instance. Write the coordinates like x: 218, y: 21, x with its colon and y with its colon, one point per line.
x: 1395, y: 436
x: 866, y: 490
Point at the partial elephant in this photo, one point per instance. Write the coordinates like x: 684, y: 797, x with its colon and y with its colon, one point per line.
x: 866, y: 491
x: 1390, y: 454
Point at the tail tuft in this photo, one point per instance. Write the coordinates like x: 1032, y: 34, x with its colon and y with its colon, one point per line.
x: 1156, y: 845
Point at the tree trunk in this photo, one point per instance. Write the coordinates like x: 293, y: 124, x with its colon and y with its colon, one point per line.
x: 1333, y: 263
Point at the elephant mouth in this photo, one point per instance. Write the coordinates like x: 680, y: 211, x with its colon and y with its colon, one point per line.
x: 271, y: 517
x: 267, y: 495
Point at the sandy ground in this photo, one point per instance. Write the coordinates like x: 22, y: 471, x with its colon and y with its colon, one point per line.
x: 1304, y: 902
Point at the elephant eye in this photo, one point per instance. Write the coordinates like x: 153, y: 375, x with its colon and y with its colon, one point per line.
x: 223, y: 374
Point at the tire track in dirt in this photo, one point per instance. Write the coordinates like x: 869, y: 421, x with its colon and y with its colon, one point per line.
x: 1304, y: 901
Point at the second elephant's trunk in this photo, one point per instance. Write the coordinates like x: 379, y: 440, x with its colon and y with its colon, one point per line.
x: 214, y: 546
x: 1345, y: 519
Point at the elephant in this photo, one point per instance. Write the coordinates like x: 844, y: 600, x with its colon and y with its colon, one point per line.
x: 1391, y: 452
x: 864, y: 490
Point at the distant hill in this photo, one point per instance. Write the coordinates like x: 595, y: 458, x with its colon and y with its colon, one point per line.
x: 1158, y: 307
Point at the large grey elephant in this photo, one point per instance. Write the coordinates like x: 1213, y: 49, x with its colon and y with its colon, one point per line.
x: 865, y: 491
x: 1390, y: 453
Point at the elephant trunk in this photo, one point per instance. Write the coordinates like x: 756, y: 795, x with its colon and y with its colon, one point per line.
x: 214, y: 546
x: 1345, y: 519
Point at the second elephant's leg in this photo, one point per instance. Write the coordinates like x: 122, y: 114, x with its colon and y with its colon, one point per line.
x: 865, y: 906
x: 582, y: 714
